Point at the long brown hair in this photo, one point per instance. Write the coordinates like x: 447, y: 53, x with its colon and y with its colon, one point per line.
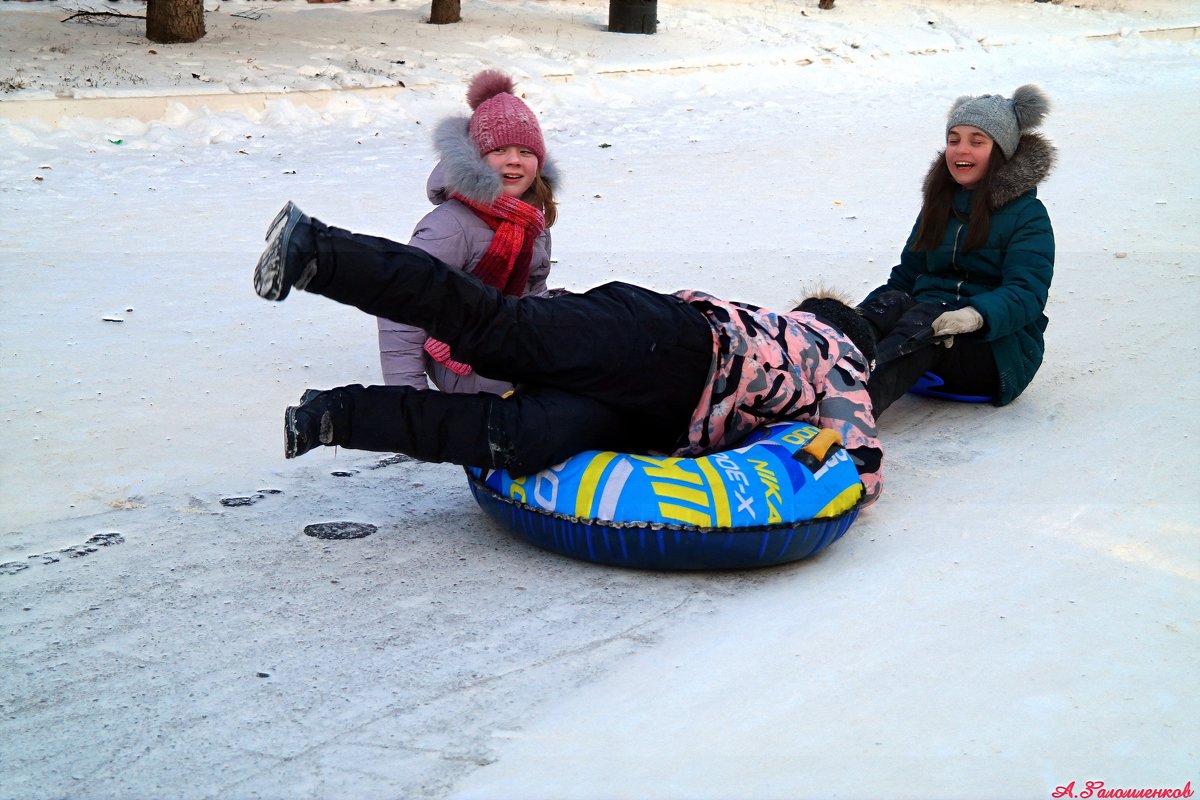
x: 938, y: 206
x: 541, y: 195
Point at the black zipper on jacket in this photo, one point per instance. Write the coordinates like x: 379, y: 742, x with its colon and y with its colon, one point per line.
x: 963, y: 220
x: 954, y: 261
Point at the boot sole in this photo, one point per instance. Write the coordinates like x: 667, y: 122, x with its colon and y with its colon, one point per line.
x: 269, y: 276
x: 290, y: 446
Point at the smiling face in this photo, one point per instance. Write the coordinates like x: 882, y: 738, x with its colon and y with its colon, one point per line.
x: 968, y: 151
x: 517, y: 167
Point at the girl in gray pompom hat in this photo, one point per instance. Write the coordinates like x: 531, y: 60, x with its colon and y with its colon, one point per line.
x: 974, y: 276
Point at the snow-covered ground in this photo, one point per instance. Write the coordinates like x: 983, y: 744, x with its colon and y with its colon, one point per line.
x: 1017, y: 613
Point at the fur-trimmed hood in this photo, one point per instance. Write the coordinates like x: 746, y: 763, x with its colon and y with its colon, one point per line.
x: 1028, y: 167
x: 462, y: 170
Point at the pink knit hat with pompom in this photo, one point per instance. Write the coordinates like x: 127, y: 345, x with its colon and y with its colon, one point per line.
x: 501, y: 118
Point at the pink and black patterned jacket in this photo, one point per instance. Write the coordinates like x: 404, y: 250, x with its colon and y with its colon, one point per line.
x: 771, y: 367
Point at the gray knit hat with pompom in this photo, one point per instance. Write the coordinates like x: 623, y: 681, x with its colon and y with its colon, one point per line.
x: 1002, y: 118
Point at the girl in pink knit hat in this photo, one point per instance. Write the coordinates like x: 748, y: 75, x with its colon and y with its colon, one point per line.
x: 493, y: 196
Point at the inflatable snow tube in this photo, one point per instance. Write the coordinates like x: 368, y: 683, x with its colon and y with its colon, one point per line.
x: 784, y: 494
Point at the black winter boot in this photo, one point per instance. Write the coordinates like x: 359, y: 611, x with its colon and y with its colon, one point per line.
x: 884, y: 311
x: 913, y: 331
x: 290, y: 257
x: 322, y: 418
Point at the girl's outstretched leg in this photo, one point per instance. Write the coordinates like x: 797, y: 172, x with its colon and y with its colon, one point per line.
x: 384, y: 278
x: 381, y: 277
x: 529, y: 431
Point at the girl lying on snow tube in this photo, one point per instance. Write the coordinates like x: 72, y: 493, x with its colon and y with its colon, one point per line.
x: 618, y: 368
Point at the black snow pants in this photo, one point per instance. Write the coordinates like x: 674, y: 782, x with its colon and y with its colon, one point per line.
x: 967, y: 368
x: 619, y: 367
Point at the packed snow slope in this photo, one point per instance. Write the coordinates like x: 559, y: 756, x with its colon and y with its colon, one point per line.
x: 1018, y: 613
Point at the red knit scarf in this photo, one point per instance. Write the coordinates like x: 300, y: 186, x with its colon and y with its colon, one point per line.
x: 505, y: 266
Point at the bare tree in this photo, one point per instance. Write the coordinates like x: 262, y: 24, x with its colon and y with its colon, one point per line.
x: 443, y: 12
x: 633, y: 16
x: 174, y: 21
x: 624, y: 16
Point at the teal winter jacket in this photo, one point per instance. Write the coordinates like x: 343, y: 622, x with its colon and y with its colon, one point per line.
x: 1008, y: 279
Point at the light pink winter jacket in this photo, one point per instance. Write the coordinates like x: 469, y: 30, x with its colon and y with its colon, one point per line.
x: 771, y: 367
x: 451, y: 233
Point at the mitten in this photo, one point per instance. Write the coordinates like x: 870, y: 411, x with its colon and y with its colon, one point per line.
x: 964, y: 320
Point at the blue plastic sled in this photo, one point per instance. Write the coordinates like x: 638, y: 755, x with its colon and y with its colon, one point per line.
x: 929, y: 385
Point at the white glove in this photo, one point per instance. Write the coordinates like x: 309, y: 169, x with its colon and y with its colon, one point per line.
x: 964, y: 320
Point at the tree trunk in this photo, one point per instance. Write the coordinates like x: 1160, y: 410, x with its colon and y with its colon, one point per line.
x: 633, y: 16
x: 826, y: 4
x: 443, y: 12
x: 174, y: 21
